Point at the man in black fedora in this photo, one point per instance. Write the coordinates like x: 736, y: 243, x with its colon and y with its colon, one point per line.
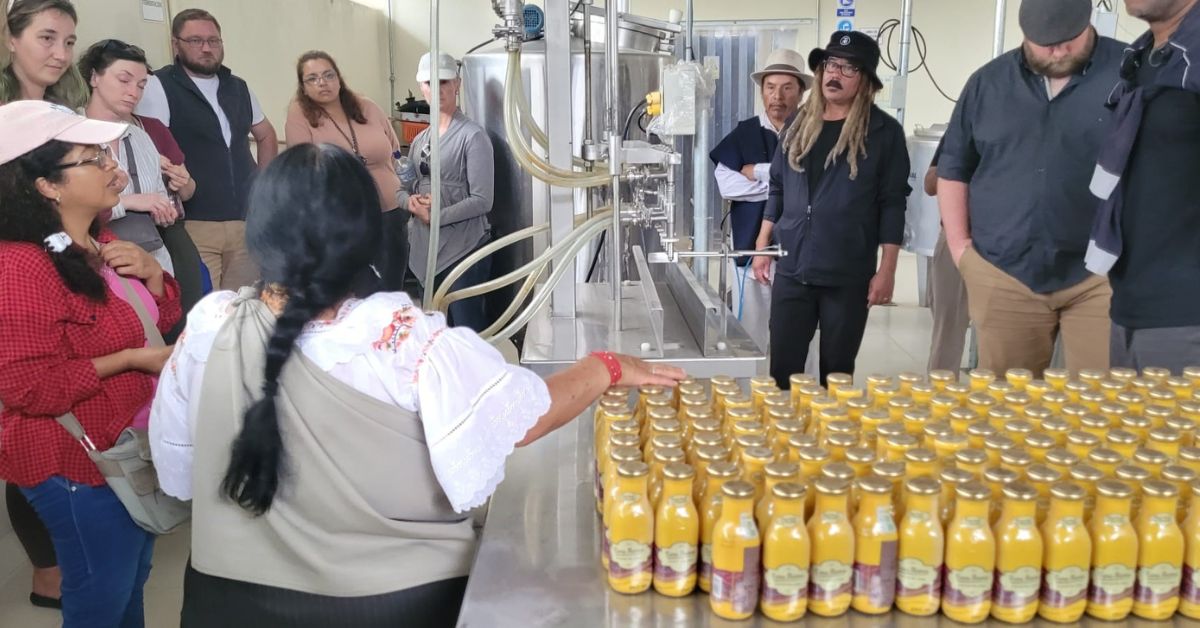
x: 838, y: 191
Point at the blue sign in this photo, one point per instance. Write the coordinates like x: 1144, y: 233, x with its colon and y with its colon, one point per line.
x: 845, y: 25
x: 845, y: 12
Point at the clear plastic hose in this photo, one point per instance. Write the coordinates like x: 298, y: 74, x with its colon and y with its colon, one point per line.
x: 439, y: 298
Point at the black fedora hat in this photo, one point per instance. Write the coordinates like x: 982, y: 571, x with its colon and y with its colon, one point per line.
x: 854, y: 46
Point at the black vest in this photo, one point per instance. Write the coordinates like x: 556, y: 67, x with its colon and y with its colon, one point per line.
x: 222, y: 173
x: 748, y: 143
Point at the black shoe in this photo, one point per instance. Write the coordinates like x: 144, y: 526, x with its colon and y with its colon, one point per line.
x: 42, y: 601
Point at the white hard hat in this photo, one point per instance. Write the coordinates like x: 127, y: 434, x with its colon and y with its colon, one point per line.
x: 447, y: 68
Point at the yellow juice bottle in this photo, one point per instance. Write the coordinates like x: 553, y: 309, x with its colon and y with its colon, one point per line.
x: 799, y: 380
x: 1113, y: 412
x: 922, y: 394
x: 1016, y: 460
x: 797, y: 442
x: 898, y: 405
x: 962, y: 418
x: 1160, y: 553
x: 1042, y: 477
x: 705, y: 455
x: 970, y: 557
x: 1106, y: 460
x: 676, y: 534
x: 1061, y: 460
x: 875, y: 548
x: 948, y: 445
x: 894, y: 473
x: 1139, y: 425
x: 995, y: 446
x: 921, y: 546
x: 831, y: 576
x: 1122, y: 442
x: 858, y: 406
x: 1037, y: 389
x: 1019, y: 549
x: 838, y: 444
x: 1067, y: 556
x: 1185, y: 425
x: 921, y: 461
x: 940, y: 378
x: 1000, y: 390
x: 786, y: 556
x: 631, y: 565
x: 1057, y: 378
x: 1150, y: 460
x: 608, y: 411
x: 1181, y: 477
x: 605, y: 466
x: 978, y: 433
x: 662, y: 458
x: 1057, y: 429
x: 1086, y: 476
x: 951, y: 478
x: 812, y: 459
x: 843, y: 472
x: 1114, y: 553
x: 1189, y: 594
x: 662, y: 441
x: 884, y: 433
x: 719, y: 474
x: 1164, y: 439
x: 737, y: 551
x: 1081, y: 443
x: 837, y: 381
x: 979, y: 379
x: 973, y: 461
x: 612, y: 491
x: 996, y: 479
x: 1038, y: 445
x: 1018, y: 378
x: 784, y: 431
x: 884, y: 394
x: 754, y: 462
x: 907, y: 379
x: 915, y: 419
x: 981, y: 402
x: 774, y: 474
x: 860, y: 460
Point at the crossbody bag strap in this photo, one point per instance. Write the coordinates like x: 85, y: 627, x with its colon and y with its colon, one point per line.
x: 108, y: 468
x: 153, y: 337
x: 131, y: 160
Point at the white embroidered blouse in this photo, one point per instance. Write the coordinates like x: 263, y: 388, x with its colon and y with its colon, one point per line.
x: 474, y: 406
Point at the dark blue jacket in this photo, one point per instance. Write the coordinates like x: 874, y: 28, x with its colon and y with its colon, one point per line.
x: 832, y: 234
x: 748, y: 143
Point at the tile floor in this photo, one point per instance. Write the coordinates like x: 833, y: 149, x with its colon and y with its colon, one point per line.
x: 897, y: 339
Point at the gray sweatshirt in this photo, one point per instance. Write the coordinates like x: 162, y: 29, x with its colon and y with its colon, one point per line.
x: 467, y: 182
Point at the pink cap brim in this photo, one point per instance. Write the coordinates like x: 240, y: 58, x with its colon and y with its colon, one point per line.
x: 91, y: 132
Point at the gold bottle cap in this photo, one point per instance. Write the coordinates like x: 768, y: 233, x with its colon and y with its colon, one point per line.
x: 1083, y: 472
x: 1019, y: 492
x: 1114, y: 489
x: 973, y: 491
x: 842, y: 440
x: 1075, y: 410
x: 986, y: 374
x: 842, y: 427
x: 625, y: 454
x: 861, y: 455
x: 1092, y: 396
x: 1039, y: 441
x: 762, y: 381
x: 814, y: 454
x: 723, y: 469
x: 1134, y: 421
x: 1056, y: 374
x: 628, y: 426
x: 678, y: 471
x: 958, y: 388
x: 666, y: 441
x: 970, y: 457
x: 874, y: 485
x: 661, y: 415
x: 1115, y: 408
x: 749, y: 427
x: 1156, y: 373
x: 748, y: 441
x: 1019, y: 374
x: 1018, y: 426
x: 901, y: 402
x: 982, y: 399
x: 707, y: 438
x: 1191, y: 454
x: 1182, y: 424
x: 964, y: 415
x: 1122, y: 374
x: 833, y: 414
x: 888, y: 469
x: 1078, y: 387
x: 1017, y: 398
x: 691, y: 389
x: 738, y: 489
x: 954, y: 476
x: 1104, y: 455
x: 736, y: 415
x: 800, y: 441
x: 854, y: 392
x: 782, y: 470
x: 839, y: 470
x: 1094, y: 421
x: 951, y: 440
x: 1038, y: 413
x: 758, y: 454
x: 1158, y: 488
x: 789, y: 426
x: 1165, y: 435
x: 1121, y: 437
x: 633, y: 469
x: 651, y: 390
x: 1177, y: 473
x: 902, y: 441
x: 1151, y: 457
x: 876, y: 416
x: 1061, y: 457
x: 1191, y: 372
x: 909, y: 377
x: 665, y: 401
x: 920, y: 455
x: 917, y: 415
x: 1162, y: 413
x: 739, y: 401
x: 923, y: 485
x: 1141, y: 384
x: 669, y: 454
x: 937, y: 430
x: 888, y: 430
x: 1162, y: 394
x: 1001, y: 413
x: 1067, y: 491
x: 1000, y: 475
x: 800, y: 380
x: 998, y: 442
x: 696, y: 407
x: 615, y: 404
x: 1130, y: 398
x: 1083, y: 439
x: 878, y: 379
x: 831, y: 486
x: 1056, y: 397
x: 923, y: 388
x: 840, y: 379
x: 813, y: 391
x: 706, y: 425
x: 942, y: 400
x: 725, y: 391
x: 1039, y: 385
x: 776, y: 397
x: 941, y: 375
x: 981, y: 430
x: 789, y: 490
x: 624, y: 440
x: 1016, y: 458
x: 617, y: 392
x: 860, y: 403
x: 712, y: 453
x: 775, y: 414
x: 1132, y: 473
x: 1000, y: 387
x: 1042, y: 474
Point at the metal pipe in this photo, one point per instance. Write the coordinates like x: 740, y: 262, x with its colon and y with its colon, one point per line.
x: 435, y: 151
x: 613, y: 91
x: 589, y: 113
x: 905, y: 50
x: 391, y: 58
x: 701, y: 187
x: 998, y: 33
x: 688, y: 53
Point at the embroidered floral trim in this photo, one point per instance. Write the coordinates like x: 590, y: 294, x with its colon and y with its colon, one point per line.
x: 424, y: 352
x: 397, y: 331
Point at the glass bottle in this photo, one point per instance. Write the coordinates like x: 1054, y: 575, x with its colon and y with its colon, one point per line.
x: 719, y: 474
x: 875, y: 548
x: 1114, y: 553
x: 786, y: 556
x: 970, y: 557
x: 921, y: 548
x: 736, y: 556
x: 1067, y: 556
x: 676, y: 534
x: 1160, y: 553
x: 831, y: 576
x: 631, y: 564
x: 1018, y: 556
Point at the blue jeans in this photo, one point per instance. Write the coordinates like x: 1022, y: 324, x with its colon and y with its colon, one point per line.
x: 103, y: 554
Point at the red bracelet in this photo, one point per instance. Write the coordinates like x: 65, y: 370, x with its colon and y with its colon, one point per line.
x: 611, y: 363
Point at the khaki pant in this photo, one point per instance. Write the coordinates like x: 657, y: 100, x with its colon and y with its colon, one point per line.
x: 222, y: 247
x: 947, y: 298
x: 1016, y: 326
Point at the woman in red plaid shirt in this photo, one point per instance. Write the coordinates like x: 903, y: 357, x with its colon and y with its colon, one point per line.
x: 71, y: 343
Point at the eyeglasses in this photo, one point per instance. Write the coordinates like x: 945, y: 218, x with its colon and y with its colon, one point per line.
x: 847, y: 70
x: 198, y: 42
x: 316, y: 79
x: 102, y: 158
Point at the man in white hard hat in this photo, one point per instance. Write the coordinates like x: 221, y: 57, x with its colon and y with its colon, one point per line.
x: 743, y: 163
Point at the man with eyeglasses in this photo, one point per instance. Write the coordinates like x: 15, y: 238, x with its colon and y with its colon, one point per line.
x: 1013, y: 189
x: 212, y: 114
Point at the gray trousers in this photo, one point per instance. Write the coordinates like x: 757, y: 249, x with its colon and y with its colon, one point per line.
x: 947, y: 296
x: 1173, y: 348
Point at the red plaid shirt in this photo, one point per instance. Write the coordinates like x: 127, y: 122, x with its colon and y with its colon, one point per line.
x: 48, y: 338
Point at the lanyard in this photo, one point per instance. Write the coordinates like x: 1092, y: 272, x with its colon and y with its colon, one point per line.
x: 352, y: 138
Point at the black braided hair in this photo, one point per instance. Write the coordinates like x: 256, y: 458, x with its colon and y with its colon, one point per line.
x: 313, y: 227
x: 27, y: 216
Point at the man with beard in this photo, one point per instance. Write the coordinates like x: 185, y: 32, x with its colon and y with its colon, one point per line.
x: 211, y: 112
x: 1148, y: 228
x: 837, y: 195
x: 1013, y: 190
x: 743, y: 165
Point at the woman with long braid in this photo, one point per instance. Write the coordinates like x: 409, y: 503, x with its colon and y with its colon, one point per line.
x: 838, y: 187
x: 333, y: 445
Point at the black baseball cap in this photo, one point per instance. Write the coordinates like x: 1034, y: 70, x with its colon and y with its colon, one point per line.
x: 854, y: 46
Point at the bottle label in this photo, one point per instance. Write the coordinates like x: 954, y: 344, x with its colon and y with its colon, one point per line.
x: 1064, y: 587
x: 706, y: 561
x: 974, y: 522
x: 886, y: 518
x: 630, y: 557
x: 878, y: 582
x: 970, y: 585
x: 679, y: 501
x: 1157, y: 583
x: 915, y: 577
x: 1070, y: 522
x: 918, y: 516
x: 1111, y: 583
x: 831, y: 517
x: 830, y: 579
x: 1164, y: 519
x: 739, y: 588
x: 676, y: 562
x: 787, y: 521
x: 606, y: 543
x: 1025, y: 523
x: 786, y: 584
x: 746, y: 528
x: 1115, y: 521
x: 1018, y: 587
x: 1191, y: 585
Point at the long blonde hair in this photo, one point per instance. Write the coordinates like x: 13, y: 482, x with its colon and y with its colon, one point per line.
x: 803, y: 134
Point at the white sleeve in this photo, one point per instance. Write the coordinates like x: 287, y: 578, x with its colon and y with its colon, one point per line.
x: 475, y: 408
x: 762, y: 173
x: 154, y: 102
x: 256, y: 112
x: 734, y: 186
x: 177, y: 399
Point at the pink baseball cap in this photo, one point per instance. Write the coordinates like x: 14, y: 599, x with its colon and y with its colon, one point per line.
x: 28, y: 124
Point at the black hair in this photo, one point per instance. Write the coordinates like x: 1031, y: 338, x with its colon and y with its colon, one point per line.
x: 314, y: 227
x: 102, y: 54
x: 30, y: 217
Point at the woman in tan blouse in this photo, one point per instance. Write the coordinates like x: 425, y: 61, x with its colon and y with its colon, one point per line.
x: 326, y: 111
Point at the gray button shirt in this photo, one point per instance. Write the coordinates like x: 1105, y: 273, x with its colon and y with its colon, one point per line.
x: 1029, y: 160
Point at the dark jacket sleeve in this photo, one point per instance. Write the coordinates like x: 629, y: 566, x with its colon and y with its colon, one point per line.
x: 958, y: 158
x: 774, y: 208
x: 893, y: 187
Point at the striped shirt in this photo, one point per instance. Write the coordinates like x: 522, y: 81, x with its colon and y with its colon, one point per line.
x: 138, y: 227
